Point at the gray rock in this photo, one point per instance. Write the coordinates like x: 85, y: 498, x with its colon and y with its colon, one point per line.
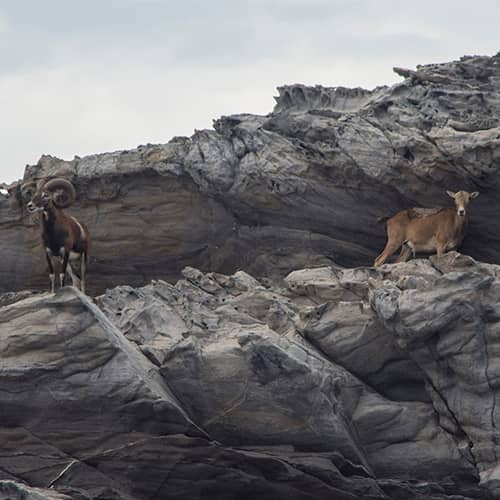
x: 87, y: 415
x: 298, y: 188
x: 201, y: 389
x: 251, y: 380
x: 278, y: 374
x: 450, y: 331
x: 11, y: 490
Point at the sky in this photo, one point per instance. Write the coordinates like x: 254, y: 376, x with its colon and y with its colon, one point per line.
x: 87, y: 76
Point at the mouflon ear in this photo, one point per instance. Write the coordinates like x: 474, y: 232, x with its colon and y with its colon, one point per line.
x: 451, y: 194
x: 475, y: 194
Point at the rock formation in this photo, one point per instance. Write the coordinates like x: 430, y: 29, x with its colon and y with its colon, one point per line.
x: 343, y: 383
x: 237, y: 343
x: 300, y: 187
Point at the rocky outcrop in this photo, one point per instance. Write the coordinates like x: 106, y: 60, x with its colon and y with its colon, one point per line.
x: 342, y: 383
x: 450, y: 329
x: 300, y: 187
x: 265, y: 370
x: 10, y: 490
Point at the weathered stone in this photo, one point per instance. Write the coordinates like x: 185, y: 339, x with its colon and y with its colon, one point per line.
x: 248, y: 379
x: 192, y: 390
x: 11, y: 490
x: 450, y: 331
x: 236, y: 383
x: 300, y: 187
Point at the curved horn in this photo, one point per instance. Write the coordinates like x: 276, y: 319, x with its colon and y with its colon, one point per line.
x: 64, y: 193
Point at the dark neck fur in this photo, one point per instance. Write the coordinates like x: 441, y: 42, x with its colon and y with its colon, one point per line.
x: 49, y: 216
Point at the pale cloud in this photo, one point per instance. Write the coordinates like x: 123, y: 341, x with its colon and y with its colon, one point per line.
x: 85, y: 77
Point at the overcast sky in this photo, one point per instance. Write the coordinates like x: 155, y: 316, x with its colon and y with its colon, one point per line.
x: 89, y: 76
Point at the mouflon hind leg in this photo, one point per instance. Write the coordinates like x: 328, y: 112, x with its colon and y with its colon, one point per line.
x: 65, y: 255
x: 83, y: 273
x: 389, y: 249
x: 406, y: 253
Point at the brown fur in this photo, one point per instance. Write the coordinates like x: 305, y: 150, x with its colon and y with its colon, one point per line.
x: 61, y: 235
x: 427, y: 230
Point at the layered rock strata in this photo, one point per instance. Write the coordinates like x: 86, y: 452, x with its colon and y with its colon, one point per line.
x: 342, y: 383
x: 300, y: 187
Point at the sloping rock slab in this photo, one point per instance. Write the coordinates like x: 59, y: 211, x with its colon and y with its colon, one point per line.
x: 86, y: 414
x: 234, y: 356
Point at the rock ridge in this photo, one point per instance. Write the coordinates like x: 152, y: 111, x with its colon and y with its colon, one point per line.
x: 300, y: 187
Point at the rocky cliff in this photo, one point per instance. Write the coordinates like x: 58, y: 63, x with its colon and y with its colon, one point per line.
x: 302, y: 186
x: 344, y: 383
x: 236, y: 342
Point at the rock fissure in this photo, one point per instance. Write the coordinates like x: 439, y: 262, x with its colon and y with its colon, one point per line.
x: 378, y: 127
x: 62, y: 473
x: 456, y: 421
x: 494, y: 437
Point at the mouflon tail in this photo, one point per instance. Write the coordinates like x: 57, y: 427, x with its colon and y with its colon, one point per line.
x: 384, y: 218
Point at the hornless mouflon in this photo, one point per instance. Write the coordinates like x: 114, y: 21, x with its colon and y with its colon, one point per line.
x: 427, y: 229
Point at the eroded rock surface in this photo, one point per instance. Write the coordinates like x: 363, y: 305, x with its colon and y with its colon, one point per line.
x: 86, y: 414
x: 450, y: 329
x: 11, y: 490
x: 236, y: 383
x: 341, y: 383
x: 300, y: 187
